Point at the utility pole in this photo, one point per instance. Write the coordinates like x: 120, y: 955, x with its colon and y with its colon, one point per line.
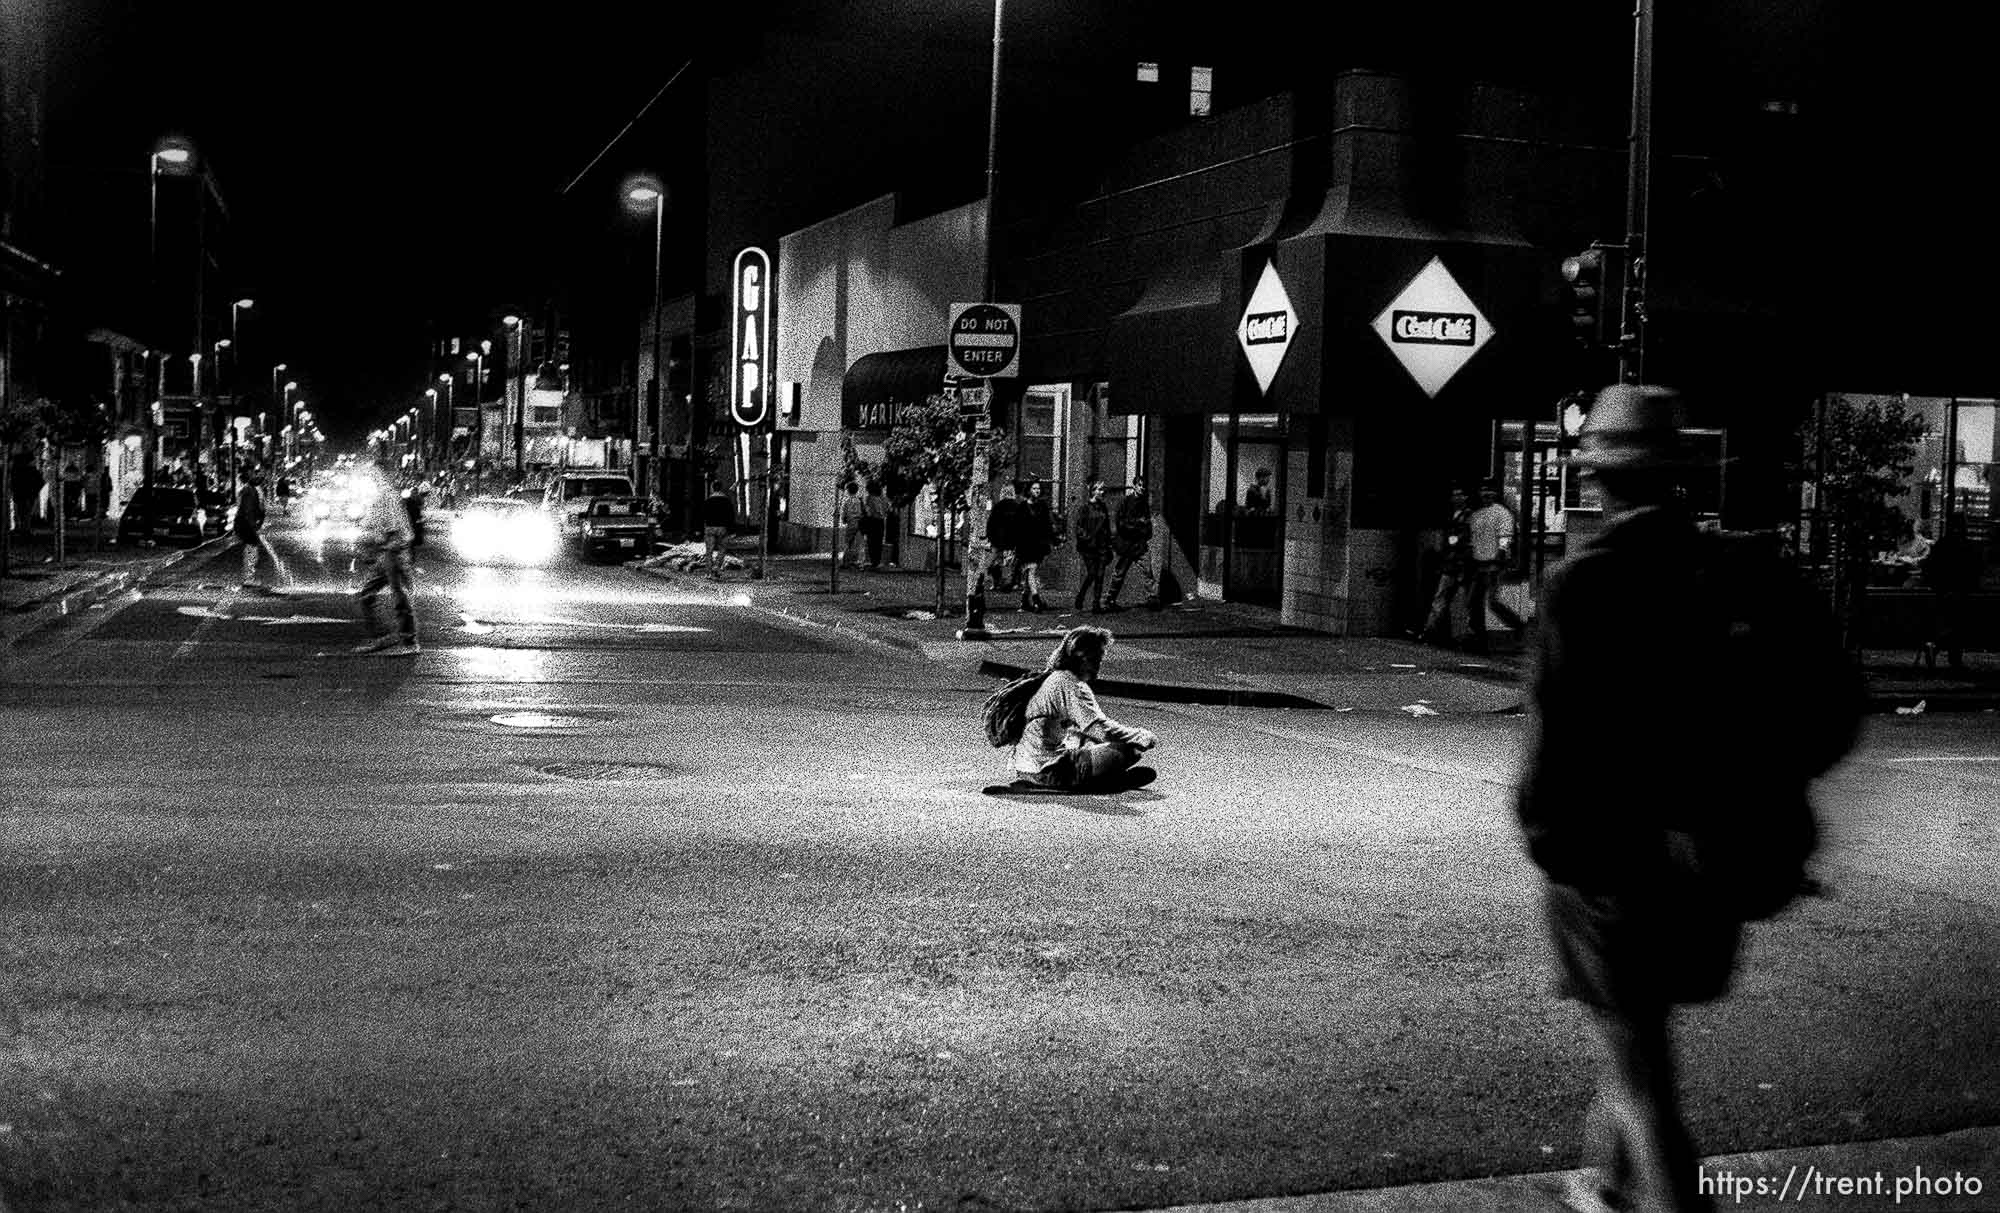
x: 1638, y: 190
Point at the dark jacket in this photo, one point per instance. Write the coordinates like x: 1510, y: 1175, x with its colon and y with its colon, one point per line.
x: 1003, y: 524
x: 1134, y: 523
x: 1684, y: 696
x: 1034, y: 531
x: 718, y: 509
x: 249, y: 512
x: 1093, y: 530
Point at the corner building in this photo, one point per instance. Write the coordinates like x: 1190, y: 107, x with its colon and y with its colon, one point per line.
x: 1355, y: 289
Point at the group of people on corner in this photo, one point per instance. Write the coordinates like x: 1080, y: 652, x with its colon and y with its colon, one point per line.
x: 1022, y: 529
x: 864, y: 520
x: 1476, y: 552
x: 79, y: 494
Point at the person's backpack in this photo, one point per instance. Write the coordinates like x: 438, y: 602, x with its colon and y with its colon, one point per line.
x: 1006, y: 710
x: 1786, y: 705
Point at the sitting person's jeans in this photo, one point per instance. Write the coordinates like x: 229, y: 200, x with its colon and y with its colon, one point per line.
x: 1097, y: 762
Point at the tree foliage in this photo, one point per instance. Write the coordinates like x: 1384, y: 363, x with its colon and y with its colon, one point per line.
x: 931, y: 445
x: 1859, y: 453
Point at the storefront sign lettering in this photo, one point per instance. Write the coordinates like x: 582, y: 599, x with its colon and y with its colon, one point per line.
x: 750, y: 324
x: 1434, y: 328
x: 1265, y: 328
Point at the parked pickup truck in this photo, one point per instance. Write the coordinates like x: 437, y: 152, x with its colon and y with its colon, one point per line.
x: 597, y: 512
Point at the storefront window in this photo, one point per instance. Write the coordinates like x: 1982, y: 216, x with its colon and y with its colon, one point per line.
x: 1955, y: 477
x: 1117, y: 442
x: 1044, y: 410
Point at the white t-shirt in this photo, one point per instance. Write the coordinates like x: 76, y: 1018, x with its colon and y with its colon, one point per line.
x: 1492, y: 528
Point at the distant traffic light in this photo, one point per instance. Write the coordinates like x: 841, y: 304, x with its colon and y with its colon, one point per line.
x: 1593, y: 290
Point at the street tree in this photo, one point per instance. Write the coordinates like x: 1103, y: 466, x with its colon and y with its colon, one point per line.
x: 931, y: 447
x: 21, y: 427
x: 1858, y: 454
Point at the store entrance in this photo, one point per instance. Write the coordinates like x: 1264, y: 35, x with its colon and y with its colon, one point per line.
x: 1243, y: 524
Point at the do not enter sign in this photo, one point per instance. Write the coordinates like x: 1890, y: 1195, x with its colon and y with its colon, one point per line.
x: 985, y: 340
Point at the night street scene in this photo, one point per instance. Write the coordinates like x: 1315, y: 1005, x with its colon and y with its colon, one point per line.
x: 1043, y: 605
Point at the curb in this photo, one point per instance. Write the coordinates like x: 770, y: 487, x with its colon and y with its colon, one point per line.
x: 889, y: 640
x: 37, y: 613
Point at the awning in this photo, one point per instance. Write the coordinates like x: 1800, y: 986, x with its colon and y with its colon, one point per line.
x: 1168, y: 352
x: 878, y: 387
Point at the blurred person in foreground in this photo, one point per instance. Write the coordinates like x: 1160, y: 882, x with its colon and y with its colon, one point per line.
x: 1686, y: 692
x: 384, y: 540
x: 1067, y: 742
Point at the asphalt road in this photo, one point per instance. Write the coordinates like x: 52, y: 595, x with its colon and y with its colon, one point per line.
x: 617, y: 897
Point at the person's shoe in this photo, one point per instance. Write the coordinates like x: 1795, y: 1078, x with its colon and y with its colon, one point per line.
x: 1585, y: 1192
x: 401, y: 648
x: 1112, y: 606
x: 376, y: 645
x: 1040, y: 606
x: 251, y: 587
x: 1079, y: 600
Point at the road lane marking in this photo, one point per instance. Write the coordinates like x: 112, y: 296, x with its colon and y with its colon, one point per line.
x: 1948, y: 758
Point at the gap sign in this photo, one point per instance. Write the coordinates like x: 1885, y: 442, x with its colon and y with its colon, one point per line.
x: 985, y: 340
x: 749, y: 334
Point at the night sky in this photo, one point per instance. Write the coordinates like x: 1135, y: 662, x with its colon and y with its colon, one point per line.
x: 395, y: 171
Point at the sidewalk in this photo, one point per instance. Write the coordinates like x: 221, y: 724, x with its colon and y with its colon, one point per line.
x: 1216, y: 652
x: 36, y: 589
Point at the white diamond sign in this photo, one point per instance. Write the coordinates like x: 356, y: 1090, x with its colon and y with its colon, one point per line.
x: 1266, y: 329
x: 1433, y: 328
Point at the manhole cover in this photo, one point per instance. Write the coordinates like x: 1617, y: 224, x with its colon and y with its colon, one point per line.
x: 609, y: 772
x: 537, y: 720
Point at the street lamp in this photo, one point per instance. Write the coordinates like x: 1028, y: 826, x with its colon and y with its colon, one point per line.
x: 520, y: 357
x: 478, y: 360
x: 447, y: 430
x: 641, y: 192
x: 430, y: 429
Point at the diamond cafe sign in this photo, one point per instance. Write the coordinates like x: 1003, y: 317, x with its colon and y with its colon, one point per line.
x: 1265, y: 332
x: 1433, y: 328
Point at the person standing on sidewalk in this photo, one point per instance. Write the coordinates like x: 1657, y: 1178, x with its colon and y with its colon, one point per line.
x: 875, y: 522
x: 249, y: 528
x: 850, y: 523
x: 1093, y: 546
x: 1132, y: 543
x: 718, y: 518
x: 24, y: 484
x: 384, y: 541
x: 1652, y: 648
x: 1491, y: 536
x: 1034, y: 535
x: 1003, y: 527
x: 1455, y: 566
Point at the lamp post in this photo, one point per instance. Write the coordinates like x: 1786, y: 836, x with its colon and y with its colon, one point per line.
x: 226, y: 410
x: 280, y: 409
x: 641, y: 191
x: 478, y: 360
x: 430, y: 429
x: 451, y: 418
x: 519, y: 335
x: 291, y: 413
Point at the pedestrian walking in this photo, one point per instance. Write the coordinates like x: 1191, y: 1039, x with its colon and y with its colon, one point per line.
x: 718, y: 518
x: 72, y: 490
x: 1951, y: 570
x: 1092, y: 529
x: 384, y: 541
x: 1034, y: 536
x: 874, y: 522
x: 851, y: 513
x: 1132, y: 543
x: 1003, y: 527
x: 285, y: 494
x: 1654, y: 651
x: 1454, y: 568
x: 1490, y: 535
x: 24, y: 485
x: 249, y: 529
x: 1067, y: 742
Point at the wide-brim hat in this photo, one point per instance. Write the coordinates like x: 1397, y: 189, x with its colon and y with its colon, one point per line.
x: 1632, y: 427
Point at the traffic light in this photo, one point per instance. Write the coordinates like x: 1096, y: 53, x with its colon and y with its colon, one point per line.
x: 1593, y: 291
